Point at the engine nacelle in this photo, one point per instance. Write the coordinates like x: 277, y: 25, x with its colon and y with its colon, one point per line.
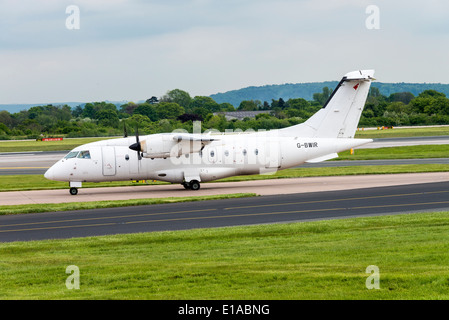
x: 164, y: 146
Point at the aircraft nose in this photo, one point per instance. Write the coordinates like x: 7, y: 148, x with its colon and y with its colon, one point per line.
x: 49, y: 174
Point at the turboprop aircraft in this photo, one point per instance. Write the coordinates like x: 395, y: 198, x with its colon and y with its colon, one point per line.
x: 192, y: 158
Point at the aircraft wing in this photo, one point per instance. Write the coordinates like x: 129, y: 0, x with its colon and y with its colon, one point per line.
x: 190, y: 137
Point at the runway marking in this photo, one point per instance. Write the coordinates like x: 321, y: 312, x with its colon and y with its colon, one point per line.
x: 224, y: 216
x: 100, y: 218
x: 337, y: 200
x: 172, y: 219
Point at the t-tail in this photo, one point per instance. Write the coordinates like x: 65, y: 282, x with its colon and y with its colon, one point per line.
x: 340, y: 115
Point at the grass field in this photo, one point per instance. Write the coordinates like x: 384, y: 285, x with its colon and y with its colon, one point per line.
x: 313, y: 260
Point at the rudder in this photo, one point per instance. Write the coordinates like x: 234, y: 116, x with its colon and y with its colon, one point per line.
x: 340, y: 115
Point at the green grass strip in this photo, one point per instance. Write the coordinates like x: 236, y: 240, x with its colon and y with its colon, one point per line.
x: 33, y: 145
x: 50, y: 207
x: 403, y: 133
x: 391, y: 153
x: 312, y: 260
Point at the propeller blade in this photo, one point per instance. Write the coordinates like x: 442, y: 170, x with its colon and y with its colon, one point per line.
x: 125, y: 132
x: 136, y: 146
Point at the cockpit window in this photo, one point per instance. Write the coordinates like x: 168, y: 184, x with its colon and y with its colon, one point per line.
x: 71, y: 154
x: 84, y: 154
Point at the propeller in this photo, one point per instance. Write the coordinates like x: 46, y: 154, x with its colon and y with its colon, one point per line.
x: 125, y: 132
x: 136, y: 146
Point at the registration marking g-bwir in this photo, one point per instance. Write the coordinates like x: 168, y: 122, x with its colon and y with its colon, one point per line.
x: 307, y: 145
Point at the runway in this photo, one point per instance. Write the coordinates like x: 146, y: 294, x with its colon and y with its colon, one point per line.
x: 220, y: 213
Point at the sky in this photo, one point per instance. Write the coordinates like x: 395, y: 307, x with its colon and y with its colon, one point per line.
x: 132, y: 50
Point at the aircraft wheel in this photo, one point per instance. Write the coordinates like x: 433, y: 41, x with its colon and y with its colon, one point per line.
x: 73, y: 191
x: 186, y: 185
x: 194, y: 185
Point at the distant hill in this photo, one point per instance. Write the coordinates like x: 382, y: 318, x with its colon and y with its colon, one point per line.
x: 269, y: 92
x: 306, y: 91
x: 14, y: 108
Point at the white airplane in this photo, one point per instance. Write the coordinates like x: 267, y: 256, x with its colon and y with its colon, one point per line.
x: 190, y: 159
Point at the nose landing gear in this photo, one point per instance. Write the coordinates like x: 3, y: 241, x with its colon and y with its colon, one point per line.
x: 74, y: 187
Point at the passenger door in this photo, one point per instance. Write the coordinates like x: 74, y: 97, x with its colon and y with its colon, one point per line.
x: 108, y: 156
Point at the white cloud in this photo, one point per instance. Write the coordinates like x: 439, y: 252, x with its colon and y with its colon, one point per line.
x: 134, y: 49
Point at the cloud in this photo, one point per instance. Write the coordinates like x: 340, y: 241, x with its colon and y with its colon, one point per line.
x: 131, y: 49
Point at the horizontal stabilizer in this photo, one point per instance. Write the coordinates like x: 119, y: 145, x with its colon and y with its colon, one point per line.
x: 323, y: 158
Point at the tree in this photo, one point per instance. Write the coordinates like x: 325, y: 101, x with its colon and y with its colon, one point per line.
x: 250, y: 105
x: 225, y: 106
x: 189, y: 117
x: 204, y: 102
x: 281, y: 103
x: 266, y: 106
x: 89, y: 111
x: 431, y: 93
x: 178, y: 96
x: 374, y: 92
x: 217, y: 122
x: 398, y: 107
x: 321, y: 98
x: 420, y: 103
x: 152, y: 100
x: 404, y: 97
x: 77, y: 112
x: 5, y: 117
x: 299, y: 103
x: 138, y: 120
x: 146, y: 110
x: 168, y: 110
x: 108, y: 118
x: 128, y: 108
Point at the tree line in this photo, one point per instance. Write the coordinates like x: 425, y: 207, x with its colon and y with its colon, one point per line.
x: 177, y: 110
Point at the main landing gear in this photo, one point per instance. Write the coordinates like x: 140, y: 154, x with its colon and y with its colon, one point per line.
x: 192, y: 185
x: 73, y: 191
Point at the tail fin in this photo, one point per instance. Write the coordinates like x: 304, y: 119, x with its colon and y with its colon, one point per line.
x: 341, y: 113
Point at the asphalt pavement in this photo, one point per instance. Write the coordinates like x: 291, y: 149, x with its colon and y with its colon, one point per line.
x: 232, y: 212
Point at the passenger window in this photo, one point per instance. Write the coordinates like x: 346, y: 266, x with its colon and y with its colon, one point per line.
x: 71, y: 154
x: 256, y: 152
x: 84, y: 154
x: 212, y: 153
x: 244, y: 152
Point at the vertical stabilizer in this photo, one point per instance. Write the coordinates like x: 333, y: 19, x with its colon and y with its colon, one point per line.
x: 340, y: 115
